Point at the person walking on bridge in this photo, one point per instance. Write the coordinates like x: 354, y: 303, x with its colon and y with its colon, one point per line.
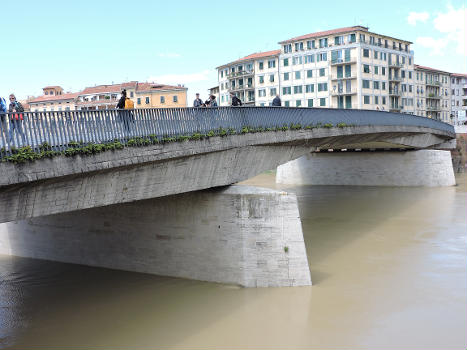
x: 235, y: 100
x: 16, y: 118
x: 277, y: 101
x: 124, y: 106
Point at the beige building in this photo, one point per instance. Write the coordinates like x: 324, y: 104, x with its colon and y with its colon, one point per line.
x: 251, y: 78
x: 433, y: 93
x: 459, y: 98
x: 53, y: 99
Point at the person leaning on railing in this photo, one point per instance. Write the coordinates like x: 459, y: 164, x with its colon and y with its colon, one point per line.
x: 3, y: 112
x: 16, y: 118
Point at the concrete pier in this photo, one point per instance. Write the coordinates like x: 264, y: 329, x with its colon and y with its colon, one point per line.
x: 430, y: 168
x: 241, y: 235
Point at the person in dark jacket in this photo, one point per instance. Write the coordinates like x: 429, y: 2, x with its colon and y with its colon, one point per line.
x: 124, y: 116
x: 121, y: 102
x: 16, y: 118
x: 197, y: 102
x: 235, y: 100
x: 277, y: 101
x: 212, y: 101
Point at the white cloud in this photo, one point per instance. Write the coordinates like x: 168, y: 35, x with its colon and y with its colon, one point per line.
x: 451, y: 26
x: 181, y: 78
x: 414, y: 17
x: 169, y: 55
x: 437, y: 46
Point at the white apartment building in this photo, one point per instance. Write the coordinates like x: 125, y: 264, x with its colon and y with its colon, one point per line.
x: 252, y: 78
x: 433, y: 93
x: 347, y: 68
x: 459, y: 98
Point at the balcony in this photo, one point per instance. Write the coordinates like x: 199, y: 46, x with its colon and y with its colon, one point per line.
x: 395, y: 65
x: 433, y: 96
x: 433, y: 83
x: 347, y: 60
x: 395, y: 92
x: 343, y: 77
x: 395, y: 79
x: 433, y: 108
x: 240, y: 74
x: 343, y: 92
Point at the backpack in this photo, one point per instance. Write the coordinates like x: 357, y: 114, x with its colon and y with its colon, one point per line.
x: 3, y: 106
x: 129, y: 104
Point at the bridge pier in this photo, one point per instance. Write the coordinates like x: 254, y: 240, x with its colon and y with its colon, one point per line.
x: 428, y: 168
x: 239, y: 234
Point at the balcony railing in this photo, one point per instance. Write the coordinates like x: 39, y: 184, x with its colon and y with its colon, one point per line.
x: 395, y: 92
x: 343, y: 77
x: 395, y: 107
x: 343, y: 92
x: 433, y: 83
x: 394, y: 78
x: 433, y: 96
x: 240, y: 74
x: 345, y: 60
x: 395, y: 64
x: 433, y: 108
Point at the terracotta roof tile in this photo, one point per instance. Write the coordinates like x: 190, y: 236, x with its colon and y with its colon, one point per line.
x: 416, y: 66
x: 50, y: 98
x: 254, y: 56
x: 459, y: 75
x: 107, y: 88
x: 325, y: 33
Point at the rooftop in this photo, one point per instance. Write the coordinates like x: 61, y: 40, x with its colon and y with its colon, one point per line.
x: 416, y: 66
x: 49, y: 98
x: 254, y: 56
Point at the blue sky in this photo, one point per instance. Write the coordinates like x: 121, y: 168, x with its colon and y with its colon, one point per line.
x: 85, y: 43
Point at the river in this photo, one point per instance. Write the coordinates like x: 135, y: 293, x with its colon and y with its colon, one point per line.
x: 388, y: 265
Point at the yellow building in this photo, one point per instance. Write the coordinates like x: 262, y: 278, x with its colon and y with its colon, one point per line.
x: 153, y: 95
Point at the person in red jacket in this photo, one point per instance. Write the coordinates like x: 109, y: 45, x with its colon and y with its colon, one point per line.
x: 16, y: 118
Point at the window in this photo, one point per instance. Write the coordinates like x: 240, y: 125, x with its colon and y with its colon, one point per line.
x: 299, y: 46
x: 297, y: 60
x: 410, y: 60
x: 376, y: 100
x: 323, y: 42
x: 271, y: 78
x: 298, y: 103
x: 348, y: 71
x: 286, y: 62
x: 132, y: 94
x: 321, y: 57
x: 287, y: 104
x: 287, y: 48
x: 384, y: 100
x: 375, y: 68
x: 272, y: 92
x: 309, y: 73
x: 297, y: 89
x: 366, y: 68
x: 322, y: 72
x: 365, y: 84
x: 162, y: 99
x: 138, y: 100
x: 383, y: 70
x: 175, y: 99
x: 352, y: 38
x: 366, y: 53
x: 297, y: 75
x: 310, y: 102
x: 310, y: 44
x: 376, y: 85
x: 338, y: 40
x: 403, y: 59
x: 261, y: 65
x: 410, y: 75
x: 362, y: 38
x: 322, y: 102
x: 287, y: 90
x: 272, y: 64
x: 286, y: 76
x: 410, y: 88
x: 261, y: 79
x: 366, y: 100
x: 340, y: 72
x: 383, y: 85
x: 375, y: 56
x: 322, y: 87
x: 309, y: 58
x: 310, y: 88
x: 262, y: 92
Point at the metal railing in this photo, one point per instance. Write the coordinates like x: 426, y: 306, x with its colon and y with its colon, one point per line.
x: 61, y: 129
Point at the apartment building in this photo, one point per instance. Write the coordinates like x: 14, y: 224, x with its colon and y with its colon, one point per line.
x: 152, y: 95
x: 459, y: 98
x: 252, y: 78
x: 53, y: 99
x: 433, y: 93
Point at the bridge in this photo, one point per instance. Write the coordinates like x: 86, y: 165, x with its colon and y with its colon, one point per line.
x: 70, y: 175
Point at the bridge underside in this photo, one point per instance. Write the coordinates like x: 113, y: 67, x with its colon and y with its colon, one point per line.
x: 68, y: 184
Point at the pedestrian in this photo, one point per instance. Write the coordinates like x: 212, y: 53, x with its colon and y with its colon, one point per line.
x: 3, y: 112
x: 16, y: 118
x: 235, y: 100
x: 212, y: 101
x: 277, y: 101
x: 197, y: 102
x: 124, y: 114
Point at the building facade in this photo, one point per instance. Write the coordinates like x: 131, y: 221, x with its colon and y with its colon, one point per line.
x: 459, y: 98
x: 53, y: 99
x: 250, y: 78
x: 433, y: 93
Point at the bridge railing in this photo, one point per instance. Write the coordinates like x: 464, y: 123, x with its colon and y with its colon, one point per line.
x: 59, y: 129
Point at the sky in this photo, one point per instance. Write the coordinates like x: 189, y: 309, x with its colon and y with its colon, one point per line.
x: 76, y: 44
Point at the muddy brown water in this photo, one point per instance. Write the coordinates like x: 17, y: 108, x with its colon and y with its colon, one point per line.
x: 389, y: 271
